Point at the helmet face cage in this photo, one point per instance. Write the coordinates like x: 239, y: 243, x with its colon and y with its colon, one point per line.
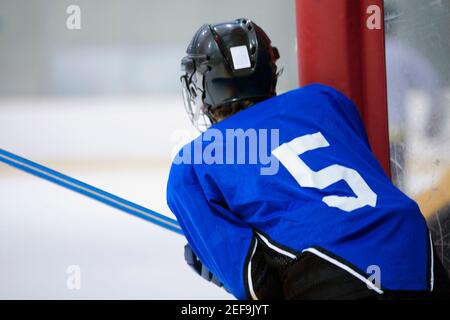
x: 193, y: 95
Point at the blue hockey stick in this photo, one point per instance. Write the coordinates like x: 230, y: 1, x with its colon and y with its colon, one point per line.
x: 89, y: 191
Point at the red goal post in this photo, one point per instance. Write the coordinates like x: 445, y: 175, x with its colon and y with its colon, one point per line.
x: 337, y: 48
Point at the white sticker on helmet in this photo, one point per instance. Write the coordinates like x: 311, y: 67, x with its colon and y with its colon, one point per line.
x: 241, y: 59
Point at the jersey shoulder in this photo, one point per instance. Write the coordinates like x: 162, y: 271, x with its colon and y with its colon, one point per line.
x: 341, y: 107
x: 263, y: 111
x: 318, y: 89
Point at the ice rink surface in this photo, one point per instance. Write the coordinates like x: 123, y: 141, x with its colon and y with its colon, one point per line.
x: 45, y: 228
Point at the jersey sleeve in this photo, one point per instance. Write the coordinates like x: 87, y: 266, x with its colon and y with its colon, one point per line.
x: 217, y: 236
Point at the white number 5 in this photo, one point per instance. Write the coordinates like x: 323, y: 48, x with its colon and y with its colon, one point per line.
x: 288, y: 154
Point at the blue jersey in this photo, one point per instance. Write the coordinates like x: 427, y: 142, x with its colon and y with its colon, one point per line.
x: 315, y: 187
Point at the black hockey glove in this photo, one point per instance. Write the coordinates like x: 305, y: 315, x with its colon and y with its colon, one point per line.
x: 194, y: 262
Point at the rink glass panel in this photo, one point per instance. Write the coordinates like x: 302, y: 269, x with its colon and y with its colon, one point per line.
x: 418, y: 78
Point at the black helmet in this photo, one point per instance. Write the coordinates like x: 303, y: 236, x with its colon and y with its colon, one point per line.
x: 227, y: 63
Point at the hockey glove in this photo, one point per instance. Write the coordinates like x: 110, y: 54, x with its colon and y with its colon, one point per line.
x: 194, y: 262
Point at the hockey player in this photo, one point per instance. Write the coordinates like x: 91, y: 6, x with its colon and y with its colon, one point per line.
x: 327, y: 223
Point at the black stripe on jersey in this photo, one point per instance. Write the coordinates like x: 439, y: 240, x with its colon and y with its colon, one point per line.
x: 346, y: 263
x: 277, y: 244
x: 246, y: 265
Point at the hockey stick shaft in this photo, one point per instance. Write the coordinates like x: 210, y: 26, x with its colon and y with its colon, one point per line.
x: 89, y: 191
